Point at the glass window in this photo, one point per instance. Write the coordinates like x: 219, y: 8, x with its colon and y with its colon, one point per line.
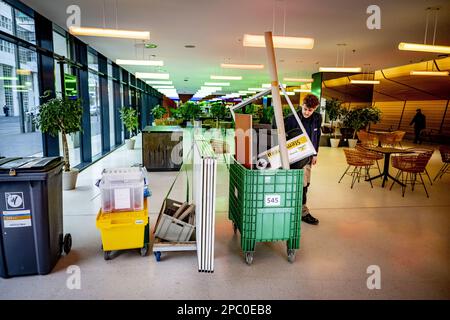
x: 96, y: 123
x: 25, y: 27
x: 111, y: 107
x: 5, y: 18
x: 92, y: 61
x: 19, y: 101
x: 121, y: 105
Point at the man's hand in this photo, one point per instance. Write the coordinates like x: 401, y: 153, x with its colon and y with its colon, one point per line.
x: 314, y: 160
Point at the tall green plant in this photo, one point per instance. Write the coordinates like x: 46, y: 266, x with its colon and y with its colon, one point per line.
x: 190, y: 111
x: 359, y: 118
x: 334, y: 110
x: 158, y: 112
x: 130, y: 119
x: 60, y: 115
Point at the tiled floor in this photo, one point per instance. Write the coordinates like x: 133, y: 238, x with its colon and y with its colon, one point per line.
x: 408, y: 238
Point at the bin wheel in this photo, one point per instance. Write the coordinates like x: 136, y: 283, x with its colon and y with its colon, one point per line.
x: 249, y: 258
x: 157, y: 255
x: 291, y: 255
x: 67, y: 243
x: 61, y: 244
x: 107, y: 255
x: 234, y: 228
x: 144, y: 250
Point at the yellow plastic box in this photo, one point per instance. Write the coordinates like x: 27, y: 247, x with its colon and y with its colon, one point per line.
x: 123, y: 230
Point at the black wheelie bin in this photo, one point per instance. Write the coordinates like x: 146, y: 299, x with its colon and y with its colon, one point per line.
x: 31, y: 216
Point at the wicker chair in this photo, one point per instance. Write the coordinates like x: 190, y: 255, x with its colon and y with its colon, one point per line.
x: 409, y: 166
x: 388, y: 139
x: 367, y: 139
x: 376, y: 156
x: 427, y: 151
x: 359, y: 161
x: 445, y: 155
x: 398, y: 138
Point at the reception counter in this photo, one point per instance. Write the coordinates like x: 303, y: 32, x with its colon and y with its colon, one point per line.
x: 162, y: 148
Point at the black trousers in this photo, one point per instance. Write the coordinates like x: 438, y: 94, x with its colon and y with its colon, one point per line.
x: 417, y: 138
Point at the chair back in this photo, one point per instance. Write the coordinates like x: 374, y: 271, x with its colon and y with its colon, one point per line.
x: 367, y: 139
x: 445, y: 153
x: 399, y: 136
x: 357, y: 158
x: 415, y: 163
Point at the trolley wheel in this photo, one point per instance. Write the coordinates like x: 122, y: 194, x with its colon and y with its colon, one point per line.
x: 291, y: 255
x: 234, y: 228
x: 157, y: 255
x: 67, y: 243
x: 107, y: 255
x: 249, y: 258
x: 144, y: 250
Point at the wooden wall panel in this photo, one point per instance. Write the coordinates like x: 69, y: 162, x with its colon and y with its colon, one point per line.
x: 432, y: 109
x: 391, y: 114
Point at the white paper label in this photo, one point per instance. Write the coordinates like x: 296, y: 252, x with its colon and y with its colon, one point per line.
x: 272, y: 200
x: 122, y: 198
x: 17, y: 219
x: 139, y: 222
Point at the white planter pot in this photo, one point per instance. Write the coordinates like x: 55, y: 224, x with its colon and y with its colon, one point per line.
x: 70, y: 179
x: 130, y: 144
x: 352, y: 143
x: 334, y: 142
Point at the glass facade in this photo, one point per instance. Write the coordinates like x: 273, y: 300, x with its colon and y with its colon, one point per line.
x: 111, y: 108
x: 20, y: 95
x: 19, y: 87
x: 94, y: 107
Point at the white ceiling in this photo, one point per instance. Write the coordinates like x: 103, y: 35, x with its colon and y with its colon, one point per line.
x: 215, y: 27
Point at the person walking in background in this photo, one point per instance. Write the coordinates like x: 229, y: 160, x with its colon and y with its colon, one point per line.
x: 6, y: 110
x: 419, y: 122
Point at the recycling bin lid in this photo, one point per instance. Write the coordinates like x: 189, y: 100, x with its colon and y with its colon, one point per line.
x: 29, y: 163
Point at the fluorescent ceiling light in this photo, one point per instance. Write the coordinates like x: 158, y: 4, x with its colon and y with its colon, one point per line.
x: 268, y: 85
x: 302, y: 90
x: 365, y: 81
x: 147, y: 75
x: 15, y: 86
x: 309, y: 80
x: 340, y: 69
x: 257, y: 89
x: 210, y: 88
x: 423, y: 47
x: 164, y: 87
x: 279, y: 42
x: 289, y: 93
x: 140, y: 62
x: 242, y: 66
x: 226, y: 77
x: 246, y: 92
x: 224, y: 84
x: 110, y: 33
x: 429, y: 73
x: 158, y: 82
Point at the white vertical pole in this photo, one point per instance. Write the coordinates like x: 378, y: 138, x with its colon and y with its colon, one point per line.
x: 276, y: 100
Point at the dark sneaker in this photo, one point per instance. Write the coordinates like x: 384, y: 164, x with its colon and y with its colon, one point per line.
x: 310, y: 219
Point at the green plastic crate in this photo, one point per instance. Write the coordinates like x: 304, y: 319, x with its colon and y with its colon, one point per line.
x: 266, y: 205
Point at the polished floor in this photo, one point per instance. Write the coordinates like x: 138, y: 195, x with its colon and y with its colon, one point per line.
x: 408, y: 238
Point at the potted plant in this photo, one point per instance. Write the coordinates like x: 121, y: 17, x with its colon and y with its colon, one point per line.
x: 61, y: 115
x: 359, y: 118
x: 218, y: 111
x: 158, y: 113
x: 334, y: 112
x: 130, y: 121
x: 190, y: 111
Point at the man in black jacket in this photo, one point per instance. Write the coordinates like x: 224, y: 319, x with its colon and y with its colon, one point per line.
x: 419, y: 125
x: 312, y: 121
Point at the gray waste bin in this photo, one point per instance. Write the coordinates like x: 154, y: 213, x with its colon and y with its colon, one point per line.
x: 31, y: 214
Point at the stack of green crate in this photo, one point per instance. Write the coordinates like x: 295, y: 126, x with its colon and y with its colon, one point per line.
x: 266, y: 206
